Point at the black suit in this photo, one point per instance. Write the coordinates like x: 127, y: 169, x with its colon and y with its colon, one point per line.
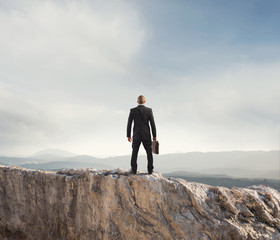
x: 141, y: 116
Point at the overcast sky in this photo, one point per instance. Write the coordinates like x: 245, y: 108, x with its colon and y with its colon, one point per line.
x: 71, y: 70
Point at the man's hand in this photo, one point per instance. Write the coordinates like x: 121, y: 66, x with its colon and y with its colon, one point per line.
x: 129, y: 139
x: 154, y: 138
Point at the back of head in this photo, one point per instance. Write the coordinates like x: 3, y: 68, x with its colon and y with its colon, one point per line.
x: 141, y: 99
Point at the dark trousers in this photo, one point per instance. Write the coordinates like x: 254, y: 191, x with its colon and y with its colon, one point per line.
x: 145, y: 139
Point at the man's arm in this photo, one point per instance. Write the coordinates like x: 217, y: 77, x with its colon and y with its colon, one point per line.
x: 129, y: 123
x: 153, y: 125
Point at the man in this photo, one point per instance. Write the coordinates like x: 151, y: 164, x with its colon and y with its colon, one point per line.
x: 141, y: 116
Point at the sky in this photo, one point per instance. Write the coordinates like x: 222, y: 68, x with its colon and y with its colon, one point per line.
x: 71, y: 70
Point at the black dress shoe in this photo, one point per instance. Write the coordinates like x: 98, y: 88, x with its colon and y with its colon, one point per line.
x: 150, y: 172
x: 133, y: 172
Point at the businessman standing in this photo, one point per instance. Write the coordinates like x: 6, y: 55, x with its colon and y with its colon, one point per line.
x: 142, y: 116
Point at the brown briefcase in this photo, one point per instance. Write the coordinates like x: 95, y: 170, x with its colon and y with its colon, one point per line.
x: 155, y: 147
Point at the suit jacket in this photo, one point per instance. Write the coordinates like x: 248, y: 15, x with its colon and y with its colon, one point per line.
x: 146, y: 117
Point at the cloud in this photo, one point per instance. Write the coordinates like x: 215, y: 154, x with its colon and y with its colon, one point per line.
x: 58, y: 62
x: 234, y: 109
x: 70, y: 71
x: 52, y: 36
x: 23, y: 125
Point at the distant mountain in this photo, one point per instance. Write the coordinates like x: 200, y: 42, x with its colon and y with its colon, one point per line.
x: 79, y: 161
x: 193, y: 174
x: 15, y: 160
x: 238, y: 164
x: 243, y: 172
x: 83, y: 158
x: 52, y: 153
x: 223, y: 180
x: 55, y: 166
x: 256, y: 164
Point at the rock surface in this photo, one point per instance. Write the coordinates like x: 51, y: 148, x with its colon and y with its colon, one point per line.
x: 91, y: 204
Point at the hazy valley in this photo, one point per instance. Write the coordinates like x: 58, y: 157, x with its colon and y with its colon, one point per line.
x: 236, y: 168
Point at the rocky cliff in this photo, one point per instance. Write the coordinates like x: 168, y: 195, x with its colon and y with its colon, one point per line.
x: 91, y: 204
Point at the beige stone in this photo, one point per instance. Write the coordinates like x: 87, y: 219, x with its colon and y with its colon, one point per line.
x: 113, y: 204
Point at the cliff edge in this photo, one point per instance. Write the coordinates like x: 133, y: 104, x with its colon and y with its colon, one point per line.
x: 92, y: 204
